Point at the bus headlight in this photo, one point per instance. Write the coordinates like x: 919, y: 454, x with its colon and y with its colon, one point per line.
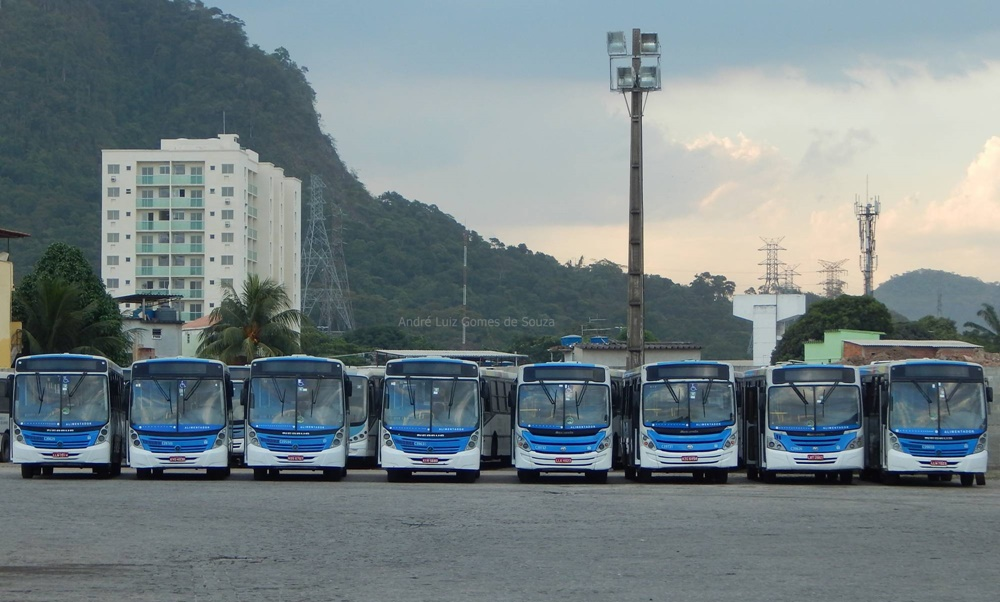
x: 981, y: 446
x: 220, y: 439
x: 387, y: 440
x: 731, y: 441
x: 773, y: 443
x: 473, y: 441
x: 338, y: 438
x: 134, y: 436
x: 101, y: 439
x: 894, y: 442
x: 856, y: 442
x: 252, y: 435
x: 359, y: 437
x: 522, y: 443
x: 647, y: 442
x: 605, y: 444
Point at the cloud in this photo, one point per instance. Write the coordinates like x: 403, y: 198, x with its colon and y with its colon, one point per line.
x: 974, y: 206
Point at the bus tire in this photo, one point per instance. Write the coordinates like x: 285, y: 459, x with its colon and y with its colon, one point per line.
x: 396, y: 475
x: 980, y: 479
x: 889, y: 478
x: 27, y: 471
x: 596, y: 476
x: 967, y: 479
x: 766, y: 476
x: 527, y: 476
x: 846, y: 477
x: 494, y: 447
x: 260, y: 474
x: 5, y: 447
x: 333, y: 474
x: 720, y: 477
x: 643, y: 475
x: 468, y: 476
x: 143, y: 474
x: 629, y: 472
x: 946, y: 477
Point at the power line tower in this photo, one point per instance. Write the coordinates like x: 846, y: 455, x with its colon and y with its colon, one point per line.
x: 772, y: 266
x: 788, y: 279
x: 867, y: 215
x: 325, y: 289
x: 833, y: 285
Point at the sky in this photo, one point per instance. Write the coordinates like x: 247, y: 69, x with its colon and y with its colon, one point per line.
x: 773, y: 119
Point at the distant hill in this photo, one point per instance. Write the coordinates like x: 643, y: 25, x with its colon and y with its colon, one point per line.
x: 77, y: 77
x: 920, y: 293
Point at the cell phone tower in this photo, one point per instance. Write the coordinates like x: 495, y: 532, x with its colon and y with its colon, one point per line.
x: 326, y: 293
x: 834, y: 284
x: 867, y: 215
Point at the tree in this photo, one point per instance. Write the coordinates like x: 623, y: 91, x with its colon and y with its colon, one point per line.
x: 63, y: 275
x: 712, y: 288
x: 57, y: 321
x: 989, y: 335
x: 844, y: 312
x: 258, y: 322
x: 926, y: 328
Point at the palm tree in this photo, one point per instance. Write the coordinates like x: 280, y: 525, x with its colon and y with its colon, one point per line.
x: 57, y: 321
x: 988, y: 335
x: 257, y: 323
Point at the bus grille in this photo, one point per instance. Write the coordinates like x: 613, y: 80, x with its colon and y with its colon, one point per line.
x: 60, y: 440
x: 414, y: 445
x: 285, y: 443
x: 180, y: 445
x: 937, y: 449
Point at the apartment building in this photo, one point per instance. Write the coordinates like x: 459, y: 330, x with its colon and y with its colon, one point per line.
x: 196, y: 215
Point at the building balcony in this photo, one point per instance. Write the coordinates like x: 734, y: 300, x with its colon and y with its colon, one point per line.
x: 159, y: 180
x: 152, y: 203
x: 184, y: 248
x: 182, y: 202
x: 251, y: 234
x: 179, y: 225
x: 154, y: 226
x: 167, y: 180
x: 190, y: 316
x: 252, y: 212
x: 190, y: 293
x: 187, y: 180
x: 151, y: 270
x: 252, y: 189
x: 252, y: 256
x: 151, y: 248
x: 187, y: 270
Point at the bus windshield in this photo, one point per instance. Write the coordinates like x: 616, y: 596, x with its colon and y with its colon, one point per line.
x: 178, y: 404
x: 239, y: 411
x: 299, y: 404
x: 359, y: 400
x: 428, y: 405
x: 61, y: 400
x: 801, y: 407
x: 937, y: 407
x: 687, y: 404
x: 563, y: 405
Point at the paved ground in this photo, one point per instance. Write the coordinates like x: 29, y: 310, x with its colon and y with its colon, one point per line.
x: 73, y: 538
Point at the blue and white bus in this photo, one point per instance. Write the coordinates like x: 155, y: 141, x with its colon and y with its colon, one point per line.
x: 179, y: 412
x: 926, y: 417
x: 680, y: 417
x: 802, y: 418
x: 497, y: 402
x: 297, y: 416
x: 431, y: 417
x: 365, y: 409
x: 562, y: 420
x: 237, y: 423
x: 67, y: 410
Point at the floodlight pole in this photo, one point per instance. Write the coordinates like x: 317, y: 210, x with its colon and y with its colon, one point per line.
x: 636, y: 317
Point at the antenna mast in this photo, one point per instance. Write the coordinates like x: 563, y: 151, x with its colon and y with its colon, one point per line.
x: 867, y: 215
x: 772, y: 284
x: 325, y: 289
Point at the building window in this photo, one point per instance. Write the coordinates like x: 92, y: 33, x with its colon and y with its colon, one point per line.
x: 179, y: 170
x: 146, y: 194
x: 164, y: 284
x: 211, y: 191
x: 128, y: 259
x: 146, y: 171
x: 211, y: 282
x: 179, y: 283
x: 164, y: 238
x: 195, y: 309
x: 163, y: 261
x: 227, y: 282
x: 178, y: 215
x: 147, y: 285
x: 178, y: 260
x: 181, y: 193
x: 112, y: 283
x: 178, y: 238
x: 211, y: 214
x: 157, y: 334
x: 196, y: 285
x: 196, y: 239
x: 227, y: 214
x: 112, y: 260
x: 165, y: 215
x: 114, y: 192
x: 145, y: 262
x: 227, y: 237
x: 113, y: 214
x: 227, y: 260
x: 197, y: 171
x: 163, y: 192
x: 227, y: 168
x: 164, y: 170
x: 128, y: 191
x: 128, y: 168
x: 128, y: 237
x: 112, y: 237
x: 227, y: 191
x: 128, y: 213
x: 197, y: 194
x: 196, y: 216
x: 113, y: 168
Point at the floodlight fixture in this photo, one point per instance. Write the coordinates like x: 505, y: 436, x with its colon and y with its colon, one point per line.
x: 626, y: 78
x: 649, y: 77
x: 649, y: 44
x: 616, y: 44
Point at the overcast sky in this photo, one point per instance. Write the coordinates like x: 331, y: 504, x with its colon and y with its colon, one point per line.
x: 774, y: 116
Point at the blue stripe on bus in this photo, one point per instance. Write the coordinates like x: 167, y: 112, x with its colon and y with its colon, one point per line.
x: 690, y: 442
x: 294, y: 443
x: 820, y: 443
x: 77, y: 440
x: 563, y: 444
x: 430, y: 445
x: 924, y: 448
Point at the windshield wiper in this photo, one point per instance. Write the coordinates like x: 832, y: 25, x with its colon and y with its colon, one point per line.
x: 552, y: 400
x: 930, y: 401
x: 409, y: 393
x: 77, y: 385
x: 580, y: 397
x: 165, y: 395
x: 704, y: 398
x: 451, y: 398
x: 41, y: 392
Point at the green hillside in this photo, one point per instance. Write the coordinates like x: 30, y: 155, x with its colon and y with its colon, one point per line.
x: 935, y: 293
x: 77, y: 77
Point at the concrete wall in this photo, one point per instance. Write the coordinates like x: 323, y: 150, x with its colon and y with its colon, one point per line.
x: 6, y: 293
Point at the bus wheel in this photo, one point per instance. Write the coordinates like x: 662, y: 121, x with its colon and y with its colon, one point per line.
x: 752, y: 473
x: 890, y: 478
x: 527, y: 476
x: 468, y: 476
x: 217, y: 474
x: 980, y: 478
x: 967, y: 479
x: 144, y: 474
x: 644, y: 475
x: 629, y: 472
x: 396, y: 475
x: 846, y: 477
x: 766, y: 476
x: 332, y: 474
x: 946, y: 478
x: 27, y: 471
x: 596, y: 476
x: 5, y: 448
x: 259, y: 474
x: 721, y: 477
x: 47, y: 471
x: 494, y: 447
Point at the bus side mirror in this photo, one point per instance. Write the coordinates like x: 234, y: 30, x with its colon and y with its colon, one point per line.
x: 348, y: 387
x: 8, y: 386
x: 989, y: 394
x: 484, y: 390
x: 245, y: 394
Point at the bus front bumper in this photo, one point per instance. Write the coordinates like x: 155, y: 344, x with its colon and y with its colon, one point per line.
x: 258, y: 457
x: 464, y: 460
x: 585, y: 462
x: 903, y: 463
x: 784, y: 461
x: 661, y: 461
x: 21, y: 453
x: 217, y: 457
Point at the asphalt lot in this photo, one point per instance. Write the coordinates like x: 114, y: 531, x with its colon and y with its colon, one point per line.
x: 71, y: 537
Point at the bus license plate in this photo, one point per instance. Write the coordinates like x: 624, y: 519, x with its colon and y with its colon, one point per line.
x: 60, y: 454
x: 815, y: 457
x: 429, y: 460
x: 564, y: 460
x: 178, y: 459
x: 689, y: 458
x: 939, y: 463
x: 295, y: 458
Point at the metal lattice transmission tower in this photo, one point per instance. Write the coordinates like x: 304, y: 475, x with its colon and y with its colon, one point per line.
x: 326, y: 293
x: 788, y: 279
x: 867, y: 216
x: 772, y: 266
x: 834, y: 284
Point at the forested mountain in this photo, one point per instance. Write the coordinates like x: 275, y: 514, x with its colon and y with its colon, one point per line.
x: 935, y: 293
x: 80, y: 76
